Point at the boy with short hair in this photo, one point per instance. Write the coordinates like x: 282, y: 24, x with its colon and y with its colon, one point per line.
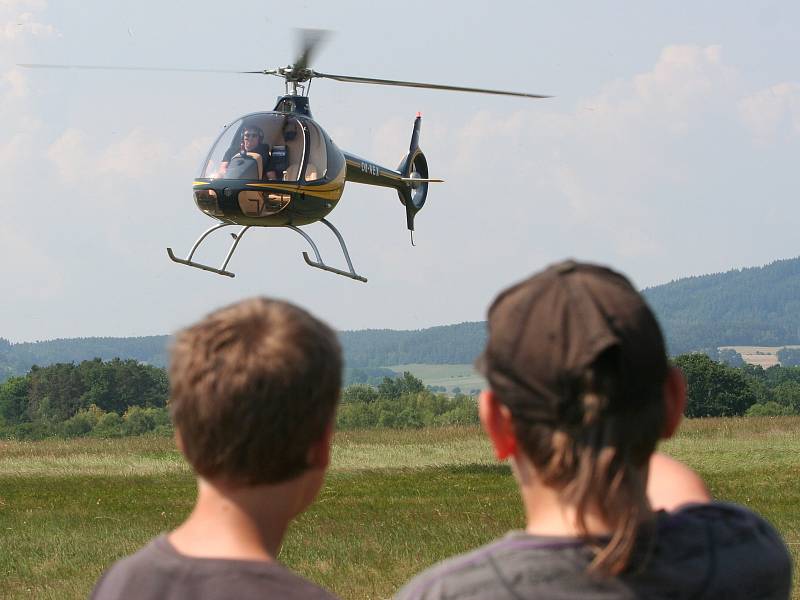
x: 580, y: 393
x: 253, y: 394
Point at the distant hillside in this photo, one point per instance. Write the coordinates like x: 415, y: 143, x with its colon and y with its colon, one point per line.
x: 448, y: 344
x: 757, y: 306
x: 17, y: 359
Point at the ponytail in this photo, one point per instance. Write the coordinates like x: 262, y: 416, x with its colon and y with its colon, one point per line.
x: 595, y: 456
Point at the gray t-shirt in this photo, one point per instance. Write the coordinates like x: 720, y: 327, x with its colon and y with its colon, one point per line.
x: 701, y: 551
x: 158, y: 571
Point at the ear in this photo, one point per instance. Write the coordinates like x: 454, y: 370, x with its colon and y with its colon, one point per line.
x: 319, y: 454
x: 674, y: 401
x: 498, y: 424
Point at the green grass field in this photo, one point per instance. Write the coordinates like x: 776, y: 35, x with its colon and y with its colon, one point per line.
x: 449, y: 376
x: 394, y: 502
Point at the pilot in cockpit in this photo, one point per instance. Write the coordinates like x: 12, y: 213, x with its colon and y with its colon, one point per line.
x: 251, y: 161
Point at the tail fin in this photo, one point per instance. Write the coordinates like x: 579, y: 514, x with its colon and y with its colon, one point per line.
x: 414, y: 146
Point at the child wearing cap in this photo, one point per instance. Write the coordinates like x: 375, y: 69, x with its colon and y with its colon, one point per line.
x: 580, y: 392
x: 253, y: 392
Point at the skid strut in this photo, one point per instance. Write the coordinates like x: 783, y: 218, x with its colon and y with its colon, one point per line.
x: 319, y: 263
x: 221, y: 271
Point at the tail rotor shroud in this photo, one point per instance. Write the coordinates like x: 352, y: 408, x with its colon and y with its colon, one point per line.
x: 414, y: 169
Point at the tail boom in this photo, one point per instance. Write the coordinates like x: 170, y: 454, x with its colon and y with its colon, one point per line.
x: 410, y: 179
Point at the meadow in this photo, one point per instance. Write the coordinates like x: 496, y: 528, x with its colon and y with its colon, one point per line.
x: 462, y: 376
x: 394, y: 502
x: 765, y: 356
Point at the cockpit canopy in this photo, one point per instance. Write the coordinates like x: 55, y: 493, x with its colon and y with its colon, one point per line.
x: 268, y: 146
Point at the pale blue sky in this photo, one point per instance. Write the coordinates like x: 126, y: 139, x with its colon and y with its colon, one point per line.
x: 670, y: 149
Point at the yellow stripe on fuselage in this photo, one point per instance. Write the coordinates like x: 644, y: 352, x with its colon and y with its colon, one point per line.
x: 332, y: 190
x: 326, y: 191
x: 276, y: 185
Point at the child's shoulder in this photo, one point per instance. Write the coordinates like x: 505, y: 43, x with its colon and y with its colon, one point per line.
x: 158, y: 570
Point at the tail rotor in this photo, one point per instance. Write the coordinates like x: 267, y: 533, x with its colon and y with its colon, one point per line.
x: 414, y: 169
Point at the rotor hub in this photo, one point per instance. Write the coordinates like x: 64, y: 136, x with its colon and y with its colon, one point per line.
x: 295, y: 75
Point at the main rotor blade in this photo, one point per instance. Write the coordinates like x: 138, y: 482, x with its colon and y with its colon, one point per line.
x: 116, y: 68
x: 432, y: 86
x: 310, y: 41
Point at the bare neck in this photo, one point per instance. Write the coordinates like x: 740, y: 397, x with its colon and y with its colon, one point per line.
x: 546, y: 511
x: 244, y: 523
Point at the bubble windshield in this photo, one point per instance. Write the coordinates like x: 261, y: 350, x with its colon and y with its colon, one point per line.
x: 268, y: 147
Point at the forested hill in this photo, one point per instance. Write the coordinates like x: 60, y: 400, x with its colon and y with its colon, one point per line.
x: 16, y: 359
x: 757, y: 306
x: 448, y: 344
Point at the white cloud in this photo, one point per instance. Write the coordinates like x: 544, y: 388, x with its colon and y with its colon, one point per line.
x: 773, y: 112
x: 16, y: 25
x: 17, y: 122
x: 686, y: 82
x: 78, y: 158
x: 14, y: 92
x: 580, y: 200
x: 598, y: 165
x: 34, y: 274
x: 22, y: 5
x: 19, y: 145
x: 13, y: 86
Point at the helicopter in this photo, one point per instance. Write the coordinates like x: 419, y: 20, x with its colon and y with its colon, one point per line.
x: 280, y: 168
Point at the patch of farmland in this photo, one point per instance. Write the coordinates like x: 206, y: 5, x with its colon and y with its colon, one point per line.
x: 764, y: 356
x: 463, y: 376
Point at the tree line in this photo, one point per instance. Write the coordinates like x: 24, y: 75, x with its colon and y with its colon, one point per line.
x: 17, y: 359
x: 117, y: 396
x: 400, y: 403
x: 716, y: 389
x: 757, y: 306
x: 753, y: 306
x: 125, y: 397
x: 366, y: 352
x: 446, y: 344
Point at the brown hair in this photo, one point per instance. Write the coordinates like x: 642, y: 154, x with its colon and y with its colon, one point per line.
x: 595, y: 452
x: 252, y: 387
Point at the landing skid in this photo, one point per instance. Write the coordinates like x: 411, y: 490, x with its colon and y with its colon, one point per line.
x: 319, y: 264
x: 237, y: 237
